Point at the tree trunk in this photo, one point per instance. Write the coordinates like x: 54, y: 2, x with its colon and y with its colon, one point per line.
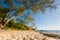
x: 1, y: 26
x: 8, y: 20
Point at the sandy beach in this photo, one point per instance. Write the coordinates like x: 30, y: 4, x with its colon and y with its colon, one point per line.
x: 23, y: 35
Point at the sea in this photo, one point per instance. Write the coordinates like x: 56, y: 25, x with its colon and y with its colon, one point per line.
x: 50, y: 31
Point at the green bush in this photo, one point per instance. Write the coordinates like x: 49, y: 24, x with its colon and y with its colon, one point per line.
x: 17, y: 26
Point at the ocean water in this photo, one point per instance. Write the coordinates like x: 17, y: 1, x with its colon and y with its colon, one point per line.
x: 50, y: 31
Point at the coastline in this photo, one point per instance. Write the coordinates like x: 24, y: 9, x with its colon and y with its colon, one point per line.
x: 53, y: 35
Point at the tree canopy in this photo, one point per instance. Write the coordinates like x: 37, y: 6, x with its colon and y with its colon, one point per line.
x: 16, y: 8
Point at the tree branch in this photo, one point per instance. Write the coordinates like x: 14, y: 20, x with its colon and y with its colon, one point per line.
x: 6, y: 15
x: 8, y: 20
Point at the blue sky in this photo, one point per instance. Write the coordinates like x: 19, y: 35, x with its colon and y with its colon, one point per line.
x: 50, y: 20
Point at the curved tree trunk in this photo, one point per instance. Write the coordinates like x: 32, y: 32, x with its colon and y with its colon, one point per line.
x: 1, y: 26
x: 8, y: 21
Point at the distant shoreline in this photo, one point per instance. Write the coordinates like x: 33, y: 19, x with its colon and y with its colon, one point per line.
x: 49, y: 34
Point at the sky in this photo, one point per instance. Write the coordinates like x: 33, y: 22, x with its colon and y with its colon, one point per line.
x: 50, y: 20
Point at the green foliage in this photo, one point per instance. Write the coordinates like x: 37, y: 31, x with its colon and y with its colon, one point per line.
x: 8, y: 1
x: 16, y: 26
x: 18, y: 8
x: 4, y: 10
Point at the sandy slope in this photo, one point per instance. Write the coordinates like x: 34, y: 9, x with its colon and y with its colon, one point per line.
x: 22, y: 35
